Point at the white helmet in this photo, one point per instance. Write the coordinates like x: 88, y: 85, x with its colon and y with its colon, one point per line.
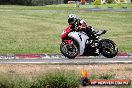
x: 72, y: 18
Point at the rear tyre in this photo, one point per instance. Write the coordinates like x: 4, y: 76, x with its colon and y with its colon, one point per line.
x: 108, y: 48
x: 69, y: 51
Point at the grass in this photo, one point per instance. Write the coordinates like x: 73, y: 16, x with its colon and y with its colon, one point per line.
x: 129, y: 86
x: 14, y: 81
x: 106, y: 76
x: 54, y: 79
x: 29, y: 29
x: 57, y: 79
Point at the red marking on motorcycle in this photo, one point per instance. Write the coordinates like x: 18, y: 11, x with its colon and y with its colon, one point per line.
x: 122, y: 54
x: 28, y: 56
x: 68, y: 41
x: 65, y: 32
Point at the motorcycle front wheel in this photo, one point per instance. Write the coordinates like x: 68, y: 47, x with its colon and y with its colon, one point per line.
x: 69, y: 51
x: 108, y: 48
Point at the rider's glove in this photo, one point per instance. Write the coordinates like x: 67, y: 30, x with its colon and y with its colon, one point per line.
x: 78, y: 29
x: 90, y: 28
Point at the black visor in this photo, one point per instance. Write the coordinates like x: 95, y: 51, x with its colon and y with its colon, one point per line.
x: 71, y: 20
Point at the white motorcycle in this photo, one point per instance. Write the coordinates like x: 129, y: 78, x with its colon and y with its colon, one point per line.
x: 78, y: 43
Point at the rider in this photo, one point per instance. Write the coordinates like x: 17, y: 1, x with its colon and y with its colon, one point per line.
x: 80, y: 25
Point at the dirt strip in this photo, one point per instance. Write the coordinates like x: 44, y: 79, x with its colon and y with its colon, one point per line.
x: 122, y: 71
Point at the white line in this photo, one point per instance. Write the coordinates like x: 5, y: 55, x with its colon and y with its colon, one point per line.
x: 88, y: 62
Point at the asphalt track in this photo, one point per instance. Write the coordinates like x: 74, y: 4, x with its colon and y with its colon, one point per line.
x: 76, y: 61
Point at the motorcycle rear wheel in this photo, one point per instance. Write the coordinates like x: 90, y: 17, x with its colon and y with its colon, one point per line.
x: 68, y: 52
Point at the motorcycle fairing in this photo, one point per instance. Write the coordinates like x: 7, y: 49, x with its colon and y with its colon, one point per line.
x: 80, y: 38
x: 65, y: 32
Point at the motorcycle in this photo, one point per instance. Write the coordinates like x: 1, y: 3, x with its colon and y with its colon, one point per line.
x: 78, y: 43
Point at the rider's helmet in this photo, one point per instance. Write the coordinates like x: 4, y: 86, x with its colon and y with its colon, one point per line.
x: 72, y: 18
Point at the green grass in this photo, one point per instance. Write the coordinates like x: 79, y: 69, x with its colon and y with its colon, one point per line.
x: 51, y: 79
x: 106, y: 76
x: 14, y: 81
x: 57, y: 79
x: 128, y: 86
x: 28, y: 29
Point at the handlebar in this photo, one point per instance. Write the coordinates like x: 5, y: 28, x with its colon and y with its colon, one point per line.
x: 101, y: 32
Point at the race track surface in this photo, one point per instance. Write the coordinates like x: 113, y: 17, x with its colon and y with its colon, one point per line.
x: 76, y: 61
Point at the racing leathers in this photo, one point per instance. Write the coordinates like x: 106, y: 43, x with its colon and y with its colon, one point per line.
x: 80, y: 25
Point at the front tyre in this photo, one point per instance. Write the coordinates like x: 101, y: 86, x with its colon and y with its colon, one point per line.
x: 108, y: 48
x: 69, y: 51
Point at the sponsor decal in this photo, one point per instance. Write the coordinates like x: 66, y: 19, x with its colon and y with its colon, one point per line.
x: 85, y: 81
